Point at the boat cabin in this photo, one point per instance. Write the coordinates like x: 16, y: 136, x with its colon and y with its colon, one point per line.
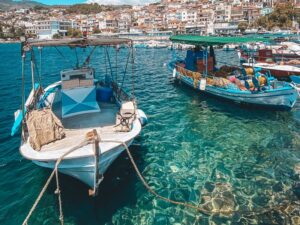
x: 78, y: 92
x: 197, y: 58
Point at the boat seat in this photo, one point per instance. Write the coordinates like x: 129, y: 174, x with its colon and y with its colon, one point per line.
x: 125, y: 117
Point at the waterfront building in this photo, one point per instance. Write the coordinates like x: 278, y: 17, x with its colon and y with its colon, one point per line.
x: 45, y: 29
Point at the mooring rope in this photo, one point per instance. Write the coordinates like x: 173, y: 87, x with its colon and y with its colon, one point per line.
x: 149, y: 188
x: 54, y: 172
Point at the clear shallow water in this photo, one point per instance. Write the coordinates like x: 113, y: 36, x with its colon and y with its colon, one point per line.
x: 194, y: 149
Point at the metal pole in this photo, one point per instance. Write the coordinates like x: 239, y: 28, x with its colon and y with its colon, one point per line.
x: 32, y: 70
x: 132, y: 68
x: 117, y: 49
x: 23, y: 93
x: 206, y: 61
x: 40, y: 69
x: 32, y: 78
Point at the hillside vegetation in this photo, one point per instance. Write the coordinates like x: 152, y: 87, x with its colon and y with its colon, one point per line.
x: 92, y: 8
x: 10, y: 4
x: 282, y: 17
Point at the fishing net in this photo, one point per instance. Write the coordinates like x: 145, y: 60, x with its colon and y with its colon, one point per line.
x: 43, y: 127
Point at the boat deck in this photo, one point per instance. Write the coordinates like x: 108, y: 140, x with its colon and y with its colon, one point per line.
x: 77, y: 126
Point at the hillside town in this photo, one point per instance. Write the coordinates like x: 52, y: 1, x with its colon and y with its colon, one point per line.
x: 205, y: 17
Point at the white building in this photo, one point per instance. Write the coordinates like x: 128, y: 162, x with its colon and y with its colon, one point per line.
x: 45, y: 29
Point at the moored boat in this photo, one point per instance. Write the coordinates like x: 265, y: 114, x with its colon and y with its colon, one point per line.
x: 79, y: 124
x: 230, y: 47
x: 198, y: 70
x: 276, y: 70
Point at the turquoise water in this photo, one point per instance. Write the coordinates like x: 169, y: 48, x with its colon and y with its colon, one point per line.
x: 195, y: 149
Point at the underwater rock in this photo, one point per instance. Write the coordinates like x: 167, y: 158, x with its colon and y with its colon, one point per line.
x: 295, y: 220
x: 220, y: 200
x: 160, y: 219
x: 297, y: 169
x: 174, y: 169
x: 296, y: 190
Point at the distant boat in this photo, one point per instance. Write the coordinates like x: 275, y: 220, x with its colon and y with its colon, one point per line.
x: 78, y: 119
x: 230, y: 47
x: 198, y: 71
x: 263, y: 53
x: 156, y: 44
x: 140, y: 45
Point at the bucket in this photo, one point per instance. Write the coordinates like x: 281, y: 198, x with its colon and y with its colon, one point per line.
x: 104, y: 94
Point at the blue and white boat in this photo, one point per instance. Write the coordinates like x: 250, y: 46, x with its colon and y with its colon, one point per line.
x: 84, y: 123
x: 242, y: 86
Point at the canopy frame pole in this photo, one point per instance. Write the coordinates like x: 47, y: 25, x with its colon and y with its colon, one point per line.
x: 132, y: 69
x: 77, y: 59
x: 32, y: 77
x: 23, y: 91
x: 32, y: 68
x: 105, y: 62
x: 109, y: 62
x: 117, y: 64
x: 40, y: 65
x: 125, y: 71
x: 87, y: 60
x: 206, y: 59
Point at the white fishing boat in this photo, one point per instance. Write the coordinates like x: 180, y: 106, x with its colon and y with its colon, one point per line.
x: 156, y: 44
x: 79, y: 124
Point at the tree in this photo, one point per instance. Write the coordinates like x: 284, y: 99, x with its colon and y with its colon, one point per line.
x: 96, y: 30
x: 282, y: 17
x: 20, y: 32
x: 56, y: 36
x: 74, y: 33
x: 1, y: 32
x: 242, y: 26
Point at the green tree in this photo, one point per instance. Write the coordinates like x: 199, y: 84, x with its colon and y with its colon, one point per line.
x: 20, y: 32
x: 242, y: 26
x: 1, y: 32
x: 56, y: 36
x: 74, y: 33
x: 96, y: 30
x: 282, y: 17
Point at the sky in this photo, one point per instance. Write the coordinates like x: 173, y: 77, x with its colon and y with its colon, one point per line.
x: 115, y: 2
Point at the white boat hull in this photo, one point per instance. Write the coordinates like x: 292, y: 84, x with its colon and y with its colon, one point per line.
x: 83, y: 169
x: 80, y: 163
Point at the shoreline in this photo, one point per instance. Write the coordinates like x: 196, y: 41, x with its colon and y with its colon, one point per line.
x: 9, y: 42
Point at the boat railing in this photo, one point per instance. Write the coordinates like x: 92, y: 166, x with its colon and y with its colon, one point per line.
x: 121, y: 95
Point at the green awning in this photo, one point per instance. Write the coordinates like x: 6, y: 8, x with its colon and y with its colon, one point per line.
x: 211, y: 40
